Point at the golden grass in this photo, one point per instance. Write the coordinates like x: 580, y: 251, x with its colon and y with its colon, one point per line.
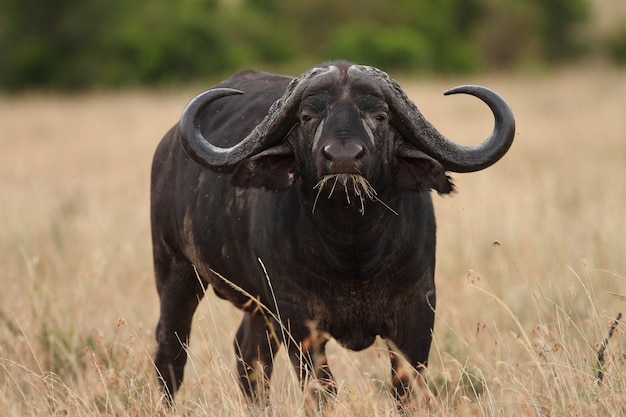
x: 530, y: 267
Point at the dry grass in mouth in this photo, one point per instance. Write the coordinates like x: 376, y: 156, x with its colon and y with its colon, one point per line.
x: 355, y: 183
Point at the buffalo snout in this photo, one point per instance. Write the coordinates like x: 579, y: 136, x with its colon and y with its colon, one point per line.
x: 344, y: 157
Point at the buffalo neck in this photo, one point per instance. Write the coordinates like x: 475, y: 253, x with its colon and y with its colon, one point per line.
x: 347, y: 240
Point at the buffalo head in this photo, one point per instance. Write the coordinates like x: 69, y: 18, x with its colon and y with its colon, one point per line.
x: 346, y: 124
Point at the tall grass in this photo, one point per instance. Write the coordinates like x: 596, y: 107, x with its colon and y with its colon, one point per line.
x: 530, y: 269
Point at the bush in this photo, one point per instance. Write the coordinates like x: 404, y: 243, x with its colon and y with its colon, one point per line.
x: 51, y: 44
x: 616, y: 45
x: 397, y: 49
x: 392, y: 49
x: 251, y: 34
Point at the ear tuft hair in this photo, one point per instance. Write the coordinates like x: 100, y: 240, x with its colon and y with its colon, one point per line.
x: 272, y: 171
x: 417, y: 171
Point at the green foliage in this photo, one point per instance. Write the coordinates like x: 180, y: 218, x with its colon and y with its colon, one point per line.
x: 385, y: 48
x: 559, y: 27
x: 163, y: 49
x: 616, y: 45
x: 43, y: 44
x: 75, y: 44
x: 399, y: 49
x: 513, y: 32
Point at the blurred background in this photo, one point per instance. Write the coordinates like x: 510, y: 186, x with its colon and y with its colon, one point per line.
x: 103, y: 44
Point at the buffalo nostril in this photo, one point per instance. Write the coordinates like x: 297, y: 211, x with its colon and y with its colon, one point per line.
x: 343, y: 152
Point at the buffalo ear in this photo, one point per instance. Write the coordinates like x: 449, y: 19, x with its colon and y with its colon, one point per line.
x: 273, y: 169
x: 417, y: 171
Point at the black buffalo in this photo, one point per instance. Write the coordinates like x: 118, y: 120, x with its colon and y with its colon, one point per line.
x: 306, y: 203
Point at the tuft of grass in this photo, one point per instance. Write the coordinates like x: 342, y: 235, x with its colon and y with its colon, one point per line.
x: 354, y: 185
x: 522, y: 368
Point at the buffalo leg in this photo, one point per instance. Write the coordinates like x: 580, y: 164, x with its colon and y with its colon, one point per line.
x: 180, y: 291
x: 409, y: 352
x: 310, y: 361
x: 256, y: 344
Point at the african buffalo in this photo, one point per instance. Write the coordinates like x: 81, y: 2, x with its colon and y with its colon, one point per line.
x: 306, y: 203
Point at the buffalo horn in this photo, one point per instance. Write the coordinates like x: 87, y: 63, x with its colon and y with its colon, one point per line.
x: 195, y: 144
x: 273, y: 129
x: 419, y: 131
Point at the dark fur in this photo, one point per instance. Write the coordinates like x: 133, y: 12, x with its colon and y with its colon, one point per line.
x: 334, y: 271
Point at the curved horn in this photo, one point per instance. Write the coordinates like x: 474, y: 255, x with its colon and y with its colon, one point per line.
x: 274, y: 128
x: 195, y: 144
x: 454, y: 157
x: 475, y: 158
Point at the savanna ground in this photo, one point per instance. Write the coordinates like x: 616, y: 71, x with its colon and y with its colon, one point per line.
x: 531, y: 267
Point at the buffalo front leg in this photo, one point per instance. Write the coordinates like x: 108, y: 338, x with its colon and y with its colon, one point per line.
x: 409, y: 350
x: 310, y: 361
x: 256, y: 344
x: 180, y: 291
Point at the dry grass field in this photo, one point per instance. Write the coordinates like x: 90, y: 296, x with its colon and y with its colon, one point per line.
x: 531, y: 263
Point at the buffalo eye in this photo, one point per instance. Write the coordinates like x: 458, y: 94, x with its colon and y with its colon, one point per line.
x: 306, y: 117
x: 381, y: 117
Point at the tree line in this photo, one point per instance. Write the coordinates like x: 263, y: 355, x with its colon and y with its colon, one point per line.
x: 77, y: 44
